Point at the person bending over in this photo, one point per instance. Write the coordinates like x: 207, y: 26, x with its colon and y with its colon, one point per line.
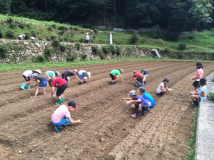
x: 42, y: 84
x: 115, y: 73
x: 138, y: 78
x: 67, y: 73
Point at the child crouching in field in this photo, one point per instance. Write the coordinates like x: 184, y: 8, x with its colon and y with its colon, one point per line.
x: 138, y: 103
x: 201, y: 94
x: 62, y: 117
x: 162, y: 89
x: 138, y: 78
x: 115, y: 73
x: 42, y: 84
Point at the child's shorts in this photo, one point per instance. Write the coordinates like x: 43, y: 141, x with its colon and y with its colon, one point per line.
x: 140, y: 78
x: 83, y: 75
x: 112, y: 77
x: 62, y: 122
x: 196, y: 84
x: 26, y: 78
x: 144, y: 107
x: 61, y: 89
x: 43, y: 84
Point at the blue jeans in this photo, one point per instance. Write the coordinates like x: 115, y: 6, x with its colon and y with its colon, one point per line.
x: 62, y: 122
x: 86, y: 40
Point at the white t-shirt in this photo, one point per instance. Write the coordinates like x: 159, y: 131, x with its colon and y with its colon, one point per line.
x: 81, y: 71
x: 159, y: 87
x: 28, y: 73
x: 89, y: 74
x: 87, y: 37
x: 21, y: 36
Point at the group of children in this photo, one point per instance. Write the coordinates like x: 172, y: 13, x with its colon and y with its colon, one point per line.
x: 140, y: 103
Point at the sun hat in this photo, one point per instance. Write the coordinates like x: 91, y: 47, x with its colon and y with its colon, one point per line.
x: 134, y: 71
x: 132, y: 93
x: 121, y: 70
x: 75, y: 70
x: 57, y: 73
x: 167, y: 80
x: 38, y: 71
x: 73, y: 104
x: 35, y: 75
x: 142, y: 89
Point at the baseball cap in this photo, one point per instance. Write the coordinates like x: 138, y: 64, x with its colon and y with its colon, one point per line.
x: 121, y: 70
x: 142, y: 89
x: 57, y: 73
x: 132, y: 93
x: 75, y: 70
x: 73, y: 104
x: 142, y: 69
x: 203, y: 81
x: 38, y: 71
x: 167, y: 80
x: 198, y: 63
x: 134, y: 71
x: 35, y: 75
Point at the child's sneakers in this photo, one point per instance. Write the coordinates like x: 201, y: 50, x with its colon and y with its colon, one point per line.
x: 80, y: 83
x: 134, y: 116
x: 85, y: 82
x: 33, y: 96
x: 112, y: 83
x: 44, y: 93
x: 58, y: 129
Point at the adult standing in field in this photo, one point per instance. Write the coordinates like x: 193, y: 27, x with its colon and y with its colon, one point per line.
x: 146, y: 74
x: 62, y: 117
x: 198, y: 76
x: 21, y: 37
x: 86, y: 40
x: 138, y: 78
x: 147, y: 96
x: 115, y: 73
x: 67, y: 73
x: 52, y: 74
x: 162, y: 89
x: 139, y: 104
x: 42, y: 81
x: 27, y: 75
x: 61, y: 85
x: 83, y: 75
x: 0, y: 35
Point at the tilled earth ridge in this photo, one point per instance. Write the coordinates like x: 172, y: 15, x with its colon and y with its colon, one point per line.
x: 107, y: 131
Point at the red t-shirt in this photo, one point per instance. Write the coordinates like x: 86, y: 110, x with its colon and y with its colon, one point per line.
x: 137, y: 74
x: 58, y: 82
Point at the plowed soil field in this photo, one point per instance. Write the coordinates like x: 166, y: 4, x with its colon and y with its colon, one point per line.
x: 108, y: 131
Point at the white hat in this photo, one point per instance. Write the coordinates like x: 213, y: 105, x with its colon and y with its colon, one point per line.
x: 38, y: 71
x: 132, y: 93
x: 75, y: 70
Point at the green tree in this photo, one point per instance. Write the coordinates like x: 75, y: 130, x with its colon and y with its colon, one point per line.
x: 200, y: 11
x: 5, y: 6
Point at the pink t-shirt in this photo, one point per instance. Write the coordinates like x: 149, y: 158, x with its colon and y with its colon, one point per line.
x: 199, y: 72
x: 60, y: 113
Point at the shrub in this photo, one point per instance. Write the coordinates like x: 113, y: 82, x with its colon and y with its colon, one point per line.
x: 71, y: 58
x: 157, y: 31
x: 106, y: 49
x: 135, y: 37
x: 61, y: 39
x: 95, y: 31
x: 210, y: 96
x: 47, y: 53
x: 84, y: 56
x: 40, y: 58
x: 33, y: 33
x: 182, y: 46
x: 180, y: 56
x: 113, y: 50
x: 94, y: 37
x: 72, y: 33
x: 76, y: 29
x: 102, y: 56
x: 50, y: 28
x: 71, y: 40
x: 53, y: 37
x: 119, y: 50
x: 3, y: 50
x: 10, y: 20
x: 55, y: 42
x: 166, y: 50
x: 81, y: 40
x: 54, y: 26
x: 62, y: 47
x: 13, y: 25
x: 61, y: 32
x: 77, y: 45
x: 27, y: 35
x: 94, y: 49
x: 10, y: 34
x: 22, y: 25
x: 62, y: 28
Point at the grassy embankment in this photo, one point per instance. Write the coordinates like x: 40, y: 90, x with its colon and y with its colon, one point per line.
x: 203, y: 43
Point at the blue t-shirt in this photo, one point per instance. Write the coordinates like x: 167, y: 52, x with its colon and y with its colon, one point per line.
x: 41, y: 79
x: 144, y: 101
x: 204, y: 88
x: 50, y: 73
x: 149, y: 98
x: 145, y: 72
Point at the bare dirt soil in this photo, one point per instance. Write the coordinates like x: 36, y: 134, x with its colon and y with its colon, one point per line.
x: 107, y: 132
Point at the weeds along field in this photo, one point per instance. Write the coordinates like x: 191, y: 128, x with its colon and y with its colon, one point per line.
x: 107, y: 131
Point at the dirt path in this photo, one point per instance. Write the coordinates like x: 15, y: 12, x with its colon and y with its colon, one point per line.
x: 108, y: 132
